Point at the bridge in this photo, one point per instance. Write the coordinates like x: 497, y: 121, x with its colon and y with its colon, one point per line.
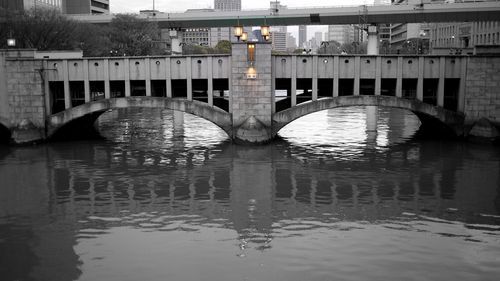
x: 443, y: 12
x: 250, y: 94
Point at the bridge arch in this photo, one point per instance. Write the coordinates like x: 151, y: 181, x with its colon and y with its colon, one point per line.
x: 5, y: 133
x: 86, y: 114
x: 433, y: 118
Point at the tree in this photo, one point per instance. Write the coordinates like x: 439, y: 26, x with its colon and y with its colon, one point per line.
x: 330, y: 47
x: 223, y: 46
x: 133, y: 36
x: 93, y: 40
x: 42, y: 29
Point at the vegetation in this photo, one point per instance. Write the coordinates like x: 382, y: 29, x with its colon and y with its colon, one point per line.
x: 48, y: 29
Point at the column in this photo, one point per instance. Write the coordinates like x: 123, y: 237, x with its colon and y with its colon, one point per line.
x: 399, y: 78
x: 293, y: 94
x: 126, y: 64
x: 336, y: 76
x: 210, y: 90
x: 188, y: 79
x: 107, y: 92
x: 357, y: 66
x: 378, y: 75
x: 176, y: 40
x: 372, y: 48
x: 67, y: 95
x: 420, y: 81
x: 168, y: 78
x: 440, y: 94
x: 86, y: 82
x: 315, y: 78
x: 147, y: 63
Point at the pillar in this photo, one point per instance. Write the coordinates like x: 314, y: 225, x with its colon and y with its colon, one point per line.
x: 372, y: 48
x: 175, y: 42
x: 251, y: 92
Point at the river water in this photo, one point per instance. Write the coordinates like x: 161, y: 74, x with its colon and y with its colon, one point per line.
x: 166, y: 196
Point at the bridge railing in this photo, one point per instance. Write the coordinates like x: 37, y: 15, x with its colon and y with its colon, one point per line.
x: 436, y: 80
x: 71, y: 82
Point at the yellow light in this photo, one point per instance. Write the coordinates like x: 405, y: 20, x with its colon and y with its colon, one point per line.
x: 251, y: 73
x: 238, y: 31
x: 244, y: 36
x: 251, y: 53
x: 264, y: 30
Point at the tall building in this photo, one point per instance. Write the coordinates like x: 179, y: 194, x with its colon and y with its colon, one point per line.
x: 302, y: 35
x: 85, y: 6
x: 227, y: 5
x: 18, y: 5
x: 291, y: 42
x: 343, y: 34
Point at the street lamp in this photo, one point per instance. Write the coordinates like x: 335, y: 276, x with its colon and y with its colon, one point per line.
x: 11, y: 42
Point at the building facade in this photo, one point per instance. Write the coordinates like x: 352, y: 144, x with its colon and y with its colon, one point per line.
x: 227, y: 5
x: 302, y: 35
x: 341, y: 33
x: 19, y: 5
x: 86, y: 6
x: 463, y: 37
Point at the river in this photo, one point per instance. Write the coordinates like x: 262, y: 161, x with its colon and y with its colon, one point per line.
x: 166, y: 196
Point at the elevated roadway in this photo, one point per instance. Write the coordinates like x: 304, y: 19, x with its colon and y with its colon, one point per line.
x: 476, y: 11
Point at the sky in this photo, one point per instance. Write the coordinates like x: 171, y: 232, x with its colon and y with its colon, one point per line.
x: 128, y: 6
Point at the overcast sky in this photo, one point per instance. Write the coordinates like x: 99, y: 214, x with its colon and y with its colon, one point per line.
x: 128, y: 6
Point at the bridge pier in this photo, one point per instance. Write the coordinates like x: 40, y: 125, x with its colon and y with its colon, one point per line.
x: 251, y: 92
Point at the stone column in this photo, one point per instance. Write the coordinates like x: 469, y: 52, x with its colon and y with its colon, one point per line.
x: 251, y: 92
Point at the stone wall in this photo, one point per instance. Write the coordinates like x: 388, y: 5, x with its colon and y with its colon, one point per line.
x: 482, y: 90
x: 22, y: 95
x: 251, y: 97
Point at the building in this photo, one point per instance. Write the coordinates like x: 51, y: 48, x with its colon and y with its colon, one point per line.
x: 224, y: 33
x: 19, y: 5
x: 402, y: 34
x: 275, y: 8
x: 278, y: 41
x: 344, y: 34
x: 227, y: 5
x: 85, y: 6
x: 463, y: 37
x: 196, y: 36
x: 291, y: 42
x: 302, y: 35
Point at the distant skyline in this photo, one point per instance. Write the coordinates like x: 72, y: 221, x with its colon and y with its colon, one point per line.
x: 127, y: 6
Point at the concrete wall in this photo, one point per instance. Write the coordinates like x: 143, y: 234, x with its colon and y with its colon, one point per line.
x: 482, y: 98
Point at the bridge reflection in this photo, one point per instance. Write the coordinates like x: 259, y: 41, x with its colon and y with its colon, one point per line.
x: 256, y: 191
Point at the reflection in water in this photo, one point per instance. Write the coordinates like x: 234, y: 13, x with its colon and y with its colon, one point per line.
x: 169, y: 197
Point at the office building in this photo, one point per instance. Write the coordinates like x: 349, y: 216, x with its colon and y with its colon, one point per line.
x: 86, y: 6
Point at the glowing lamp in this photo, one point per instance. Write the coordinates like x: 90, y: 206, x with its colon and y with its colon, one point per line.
x: 238, y: 31
x: 244, y: 36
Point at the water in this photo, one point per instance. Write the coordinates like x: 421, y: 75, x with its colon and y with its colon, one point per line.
x: 168, y: 197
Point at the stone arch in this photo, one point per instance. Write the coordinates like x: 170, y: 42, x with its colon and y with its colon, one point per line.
x: 432, y: 117
x: 86, y: 114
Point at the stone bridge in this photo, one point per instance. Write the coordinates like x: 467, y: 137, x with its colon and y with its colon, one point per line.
x: 250, y: 94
